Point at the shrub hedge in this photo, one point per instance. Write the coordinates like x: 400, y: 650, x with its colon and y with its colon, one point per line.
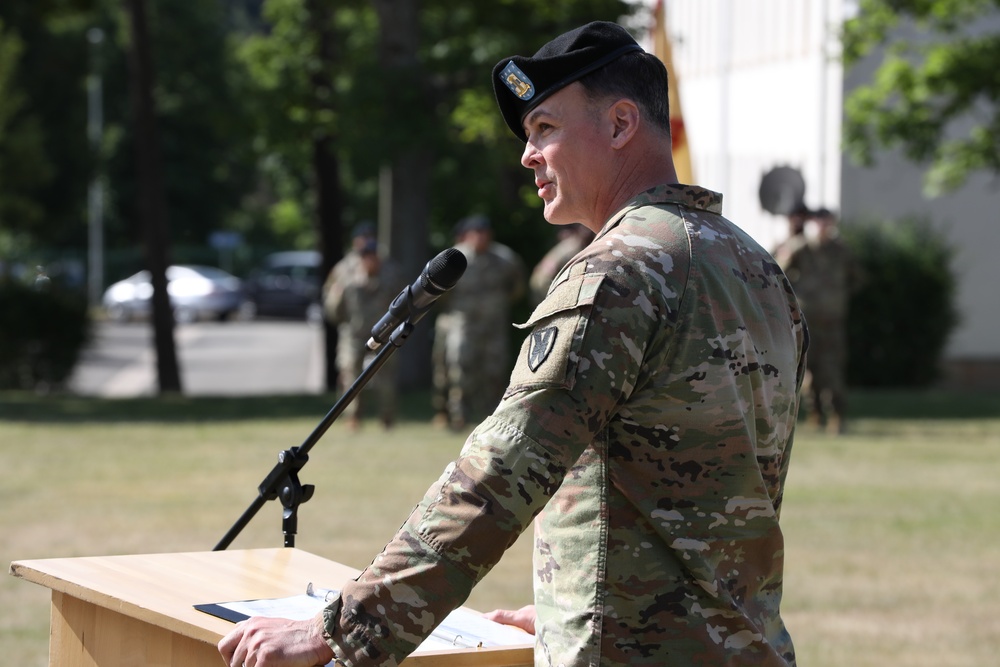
x: 42, y: 332
x: 904, y: 311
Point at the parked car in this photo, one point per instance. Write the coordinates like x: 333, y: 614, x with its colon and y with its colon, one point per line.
x: 196, y: 292
x: 286, y: 284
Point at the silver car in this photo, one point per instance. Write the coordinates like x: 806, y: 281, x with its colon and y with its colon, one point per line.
x: 196, y: 292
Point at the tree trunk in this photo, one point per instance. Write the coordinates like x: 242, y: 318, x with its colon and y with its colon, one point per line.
x: 328, y: 219
x: 405, y: 181
x: 152, y: 207
x: 326, y: 170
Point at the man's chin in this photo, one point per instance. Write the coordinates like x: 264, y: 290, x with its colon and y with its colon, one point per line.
x: 552, y: 214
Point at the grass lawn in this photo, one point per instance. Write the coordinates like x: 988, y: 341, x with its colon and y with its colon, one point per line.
x: 892, y: 531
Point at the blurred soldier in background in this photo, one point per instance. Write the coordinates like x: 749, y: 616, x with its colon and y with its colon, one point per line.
x: 355, y: 302
x: 796, y: 228
x: 572, y: 239
x: 472, y: 348
x: 823, y: 274
x: 361, y: 235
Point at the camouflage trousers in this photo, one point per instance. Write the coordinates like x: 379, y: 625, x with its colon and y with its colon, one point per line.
x: 471, y: 369
x: 825, y: 386
x: 380, y: 391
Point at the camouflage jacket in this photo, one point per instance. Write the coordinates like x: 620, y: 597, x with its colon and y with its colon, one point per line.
x: 823, y: 275
x: 355, y: 302
x: 648, y: 426
x: 492, y: 282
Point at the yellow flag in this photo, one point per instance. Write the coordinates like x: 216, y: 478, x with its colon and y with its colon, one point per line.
x: 678, y: 133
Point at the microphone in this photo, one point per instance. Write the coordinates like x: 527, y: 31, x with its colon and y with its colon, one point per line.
x: 439, y: 275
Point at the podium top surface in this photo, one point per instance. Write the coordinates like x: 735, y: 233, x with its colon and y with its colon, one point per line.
x: 162, y: 588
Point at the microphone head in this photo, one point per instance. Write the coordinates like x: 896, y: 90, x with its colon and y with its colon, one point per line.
x: 444, y: 271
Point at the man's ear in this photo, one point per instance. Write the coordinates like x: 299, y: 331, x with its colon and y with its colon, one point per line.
x: 624, y: 115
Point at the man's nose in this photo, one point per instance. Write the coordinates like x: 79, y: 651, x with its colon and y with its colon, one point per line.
x: 531, y: 155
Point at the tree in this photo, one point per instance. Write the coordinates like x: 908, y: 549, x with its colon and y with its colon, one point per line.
x: 325, y: 164
x: 409, y: 110
x: 405, y: 175
x: 24, y: 167
x: 208, y: 166
x: 32, y: 188
x: 298, y: 69
x: 205, y: 128
x: 937, y: 74
x: 151, y: 205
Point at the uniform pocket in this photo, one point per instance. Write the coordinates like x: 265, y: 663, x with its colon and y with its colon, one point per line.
x: 550, y: 353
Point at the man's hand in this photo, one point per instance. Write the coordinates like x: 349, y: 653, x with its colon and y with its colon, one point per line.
x: 523, y: 618
x: 276, y: 642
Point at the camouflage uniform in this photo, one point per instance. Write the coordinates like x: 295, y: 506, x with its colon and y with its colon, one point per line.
x: 553, y: 262
x: 648, y: 424
x: 355, y: 301
x: 341, y: 271
x: 823, y: 272
x: 472, y: 355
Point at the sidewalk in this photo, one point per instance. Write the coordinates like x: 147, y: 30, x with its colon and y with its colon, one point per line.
x: 216, y: 359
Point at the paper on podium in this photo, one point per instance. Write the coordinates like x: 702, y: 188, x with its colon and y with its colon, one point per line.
x: 462, y: 628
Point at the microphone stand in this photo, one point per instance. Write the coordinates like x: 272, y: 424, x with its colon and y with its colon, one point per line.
x: 283, y: 480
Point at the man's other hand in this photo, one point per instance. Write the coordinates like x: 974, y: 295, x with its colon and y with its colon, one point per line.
x: 276, y: 642
x: 523, y: 618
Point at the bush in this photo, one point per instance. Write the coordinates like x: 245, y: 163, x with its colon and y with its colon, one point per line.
x: 904, y: 311
x: 41, y: 335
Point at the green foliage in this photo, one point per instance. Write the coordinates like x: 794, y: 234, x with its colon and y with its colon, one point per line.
x: 241, y: 95
x: 938, y: 73
x: 204, y: 126
x: 902, y: 315
x: 205, y: 136
x: 24, y: 167
x: 444, y: 101
x: 41, y: 334
x: 52, y: 144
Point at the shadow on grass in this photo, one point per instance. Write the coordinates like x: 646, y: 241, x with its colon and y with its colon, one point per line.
x: 415, y: 406
x: 923, y: 404
x: 29, y: 407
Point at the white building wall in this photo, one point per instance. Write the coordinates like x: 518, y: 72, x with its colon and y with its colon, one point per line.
x: 761, y: 86
x: 759, y: 90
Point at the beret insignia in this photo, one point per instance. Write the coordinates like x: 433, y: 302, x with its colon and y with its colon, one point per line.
x: 567, y: 58
x: 517, y: 81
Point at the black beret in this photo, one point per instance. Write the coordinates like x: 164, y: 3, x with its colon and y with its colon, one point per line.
x: 521, y: 83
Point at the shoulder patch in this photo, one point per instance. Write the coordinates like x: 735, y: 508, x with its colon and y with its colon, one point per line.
x: 548, y: 356
x: 540, y: 345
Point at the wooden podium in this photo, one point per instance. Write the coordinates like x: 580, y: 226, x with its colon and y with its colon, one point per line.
x: 117, y: 611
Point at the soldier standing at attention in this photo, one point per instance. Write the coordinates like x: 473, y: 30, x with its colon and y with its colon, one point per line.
x: 361, y: 235
x: 474, y: 345
x: 823, y: 273
x: 647, y: 426
x: 355, y: 302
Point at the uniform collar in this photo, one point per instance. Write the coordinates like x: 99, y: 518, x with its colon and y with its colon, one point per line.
x: 688, y: 196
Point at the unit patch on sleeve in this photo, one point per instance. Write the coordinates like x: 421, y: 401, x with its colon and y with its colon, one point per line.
x: 540, y: 345
x: 548, y: 357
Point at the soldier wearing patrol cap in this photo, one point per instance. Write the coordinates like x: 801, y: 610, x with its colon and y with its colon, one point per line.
x: 472, y: 355
x: 647, y: 425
